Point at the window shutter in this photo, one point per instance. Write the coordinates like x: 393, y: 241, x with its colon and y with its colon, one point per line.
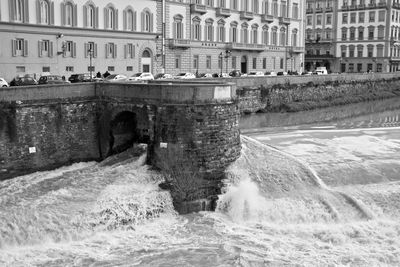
x: 116, y: 20
x: 133, y: 51
x: 230, y: 35
x: 38, y: 16
x: 86, y: 47
x: 115, y: 51
x: 142, y: 23
x: 105, y: 18
x: 124, y: 23
x: 85, y: 17
x: 52, y: 13
x: 14, y: 47
x: 40, y: 48
x: 50, y: 49
x: 151, y: 22
x: 75, y: 16
x: 200, y: 32
x: 174, y: 26
x: 26, y: 11
x: 96, y: 20
x: 125, y: 51
x: 25, y: 48
x: 64, y: 48
x: 62, y: 14
x: 95, y: 51
x: 106, y: 50
x: 134, y: 21
x: 73, y: 49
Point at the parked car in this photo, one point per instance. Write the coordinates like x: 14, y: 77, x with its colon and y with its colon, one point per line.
x: 281, y: 73
x: 115, y: 78
x: 52, y: 79
x: 162, y: 76
x: 80, y: 78
x: 22, y: 81
x: 185, y: 75
x: 224, y: 75
x: 270, y: 73
x: 205, y: 75
x: 255, y: 73
x: 321, y: 71
x: 3, y: 83
x: 141, y: 76
x: 235, y: 73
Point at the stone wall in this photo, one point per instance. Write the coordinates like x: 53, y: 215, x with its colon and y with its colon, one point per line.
x: 295, y: 97
x: 36, y: 136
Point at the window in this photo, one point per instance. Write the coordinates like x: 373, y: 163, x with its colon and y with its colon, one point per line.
x: 111, y: 68
x: 352, y: 33
x: 90, y: 16
x: 219, y: 62
x: 371, y: 33
x: 19, y: 47
x: 46, y: 69
x: 265, y: 35
x: 129, y: 68
x: 45, y: 48
x: 178, y: 27
x: 294, y: 37
x: 361, y: 33
x: 361, y: 17
x: 379, y: 67
x: 69, y: 68
x: 372, y: 16
x: 245, y: 35
x: 353, y: 18
x: 91, y: 68
x: 381, y: 32
x: 254, y: 34
x: 208, y: 62
x: 234, y: 4
x: 233, y: 62
x: 196, y: 28
x: 254, y: 63
x: 351, y: 67
x: 344, y: 17
x: 319, y: 19
x: 147, y: 21
x: 210, y: 3
x: 129, y: 51
x: 196, y: 62
x: 329, y: 19
x: 343, y: 51
x: 360, y: 51
x: 344, y: 34
x: 129, y: 19
x: 281, y: 63
x: 381, y: 15
x: 379, y: 50
x: 90, y: 49
x: 359, y: 67
x: 68, y: 13
x: 264, y: 63
x: 351, y: 51
x: 221, y: 31
x: 370, y: 51
x: 295, y: 11
x: 209, y: 30
x: 110, y: 17
x: 69, y: 49
x: 275, y: 8
x: 309, y: 20
x: 177, y: 62
x: 274, y: 36
x: 20, y: 69
x: 283, y: 9
x: 44, y: 12
x: 282, y: 37
x: 19, y: 11
x: 111, y: 50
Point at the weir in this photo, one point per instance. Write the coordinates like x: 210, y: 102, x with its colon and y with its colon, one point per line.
x: 195, y: 125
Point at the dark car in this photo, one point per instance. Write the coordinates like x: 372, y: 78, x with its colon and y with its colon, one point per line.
x: 80, y: 78
x: 235, y: 73
x: 23, y: 81
x: 52, y: 79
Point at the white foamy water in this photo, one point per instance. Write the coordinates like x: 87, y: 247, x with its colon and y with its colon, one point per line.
x: 275, y: 211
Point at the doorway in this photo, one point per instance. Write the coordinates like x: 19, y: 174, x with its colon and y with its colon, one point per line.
x: 146, y: 61
x: 243, y: 64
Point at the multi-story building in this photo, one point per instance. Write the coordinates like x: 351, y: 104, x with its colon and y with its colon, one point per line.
x: 80, y: 36
x: 366, y: 35
x: 246, y: 35
x: 76, y: 36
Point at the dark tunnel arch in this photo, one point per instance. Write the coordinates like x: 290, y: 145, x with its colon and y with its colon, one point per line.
x: 123, y: 132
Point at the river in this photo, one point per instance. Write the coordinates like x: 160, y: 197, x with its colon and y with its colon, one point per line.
x: 317, y: 188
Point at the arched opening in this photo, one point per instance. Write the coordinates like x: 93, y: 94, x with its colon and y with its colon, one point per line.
x: 123, y: 132
x: 146, y: 61
x: 243, y: 64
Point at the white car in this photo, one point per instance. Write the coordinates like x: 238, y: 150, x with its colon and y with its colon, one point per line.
x: 141, y: 76
x: 255, y: 73
x: 272, y: 73
x: 115, y: 78
x: 3, y: 83
x: 185, y: 75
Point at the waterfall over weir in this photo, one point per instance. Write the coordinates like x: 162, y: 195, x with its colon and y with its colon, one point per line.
x: 275, y: 211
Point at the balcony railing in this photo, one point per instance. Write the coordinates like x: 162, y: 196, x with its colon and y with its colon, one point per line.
x: 246, y: 15
x: 328, y: 9
x: 318, y: 10
x: 182, y: 43
x: 248, y: 47
x: 223, y: 12
x: 195, y: 8
x: 267, y: 18
x: 283, y: 20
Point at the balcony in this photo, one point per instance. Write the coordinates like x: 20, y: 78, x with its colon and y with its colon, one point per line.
x: 200, y: 9
x: 361, y: 6
x: 267, y: 18
x: 345, y: 7
x: 246, y: 15
x: 371, y: 5
x: 223, y: 12
x: 328, y: 9
x: 179, y: 43
x: 382, y: 4
x: 309, y: 10
x: 247, y: 47
x: 318, y: 10
x: 283, y: 20
x: 352, y: 7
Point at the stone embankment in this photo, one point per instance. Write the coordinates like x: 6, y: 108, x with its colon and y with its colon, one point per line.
x: 285, y: 95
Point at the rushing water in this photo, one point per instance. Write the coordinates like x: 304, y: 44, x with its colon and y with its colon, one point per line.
x: 344, y: 210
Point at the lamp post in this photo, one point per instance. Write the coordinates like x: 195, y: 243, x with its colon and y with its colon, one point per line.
x: 221, y: 56
x: 90, y: 52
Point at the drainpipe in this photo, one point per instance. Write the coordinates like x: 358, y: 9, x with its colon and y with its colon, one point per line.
x: 163, y: 37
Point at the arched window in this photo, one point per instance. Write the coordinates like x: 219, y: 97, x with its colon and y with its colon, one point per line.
x: 178, y: 27
x: 19, y: 10
x: 254, y: 33
x: 255, y: 6
x: 283, y: 37
x: 129, y: 19
x: 265, y: 8
x: 196, y: 28
x: 275, y: 8
x: 265, y: 35
x: 147, y: 21
x: 221, y: 30
x: 44, y: 12
x: 90, y: 15
x: 68, y: 13
x: 274, y: 36
x: 110, y: 17
x: 283, y: 9
x: 209, y: 30
x: 146, y: 54
x: 233, y: 32
x: 19, y: 7
x: 294, y: 37
x: 245, y: 33
x: 234, y: 5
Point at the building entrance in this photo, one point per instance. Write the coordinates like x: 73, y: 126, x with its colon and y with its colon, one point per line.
x: 243, y: 64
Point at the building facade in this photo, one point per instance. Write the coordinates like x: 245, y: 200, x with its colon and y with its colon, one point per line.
x: 81, y: 36
x: 213, y: 36
x: 70, y: 36
x: 365, y: 38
